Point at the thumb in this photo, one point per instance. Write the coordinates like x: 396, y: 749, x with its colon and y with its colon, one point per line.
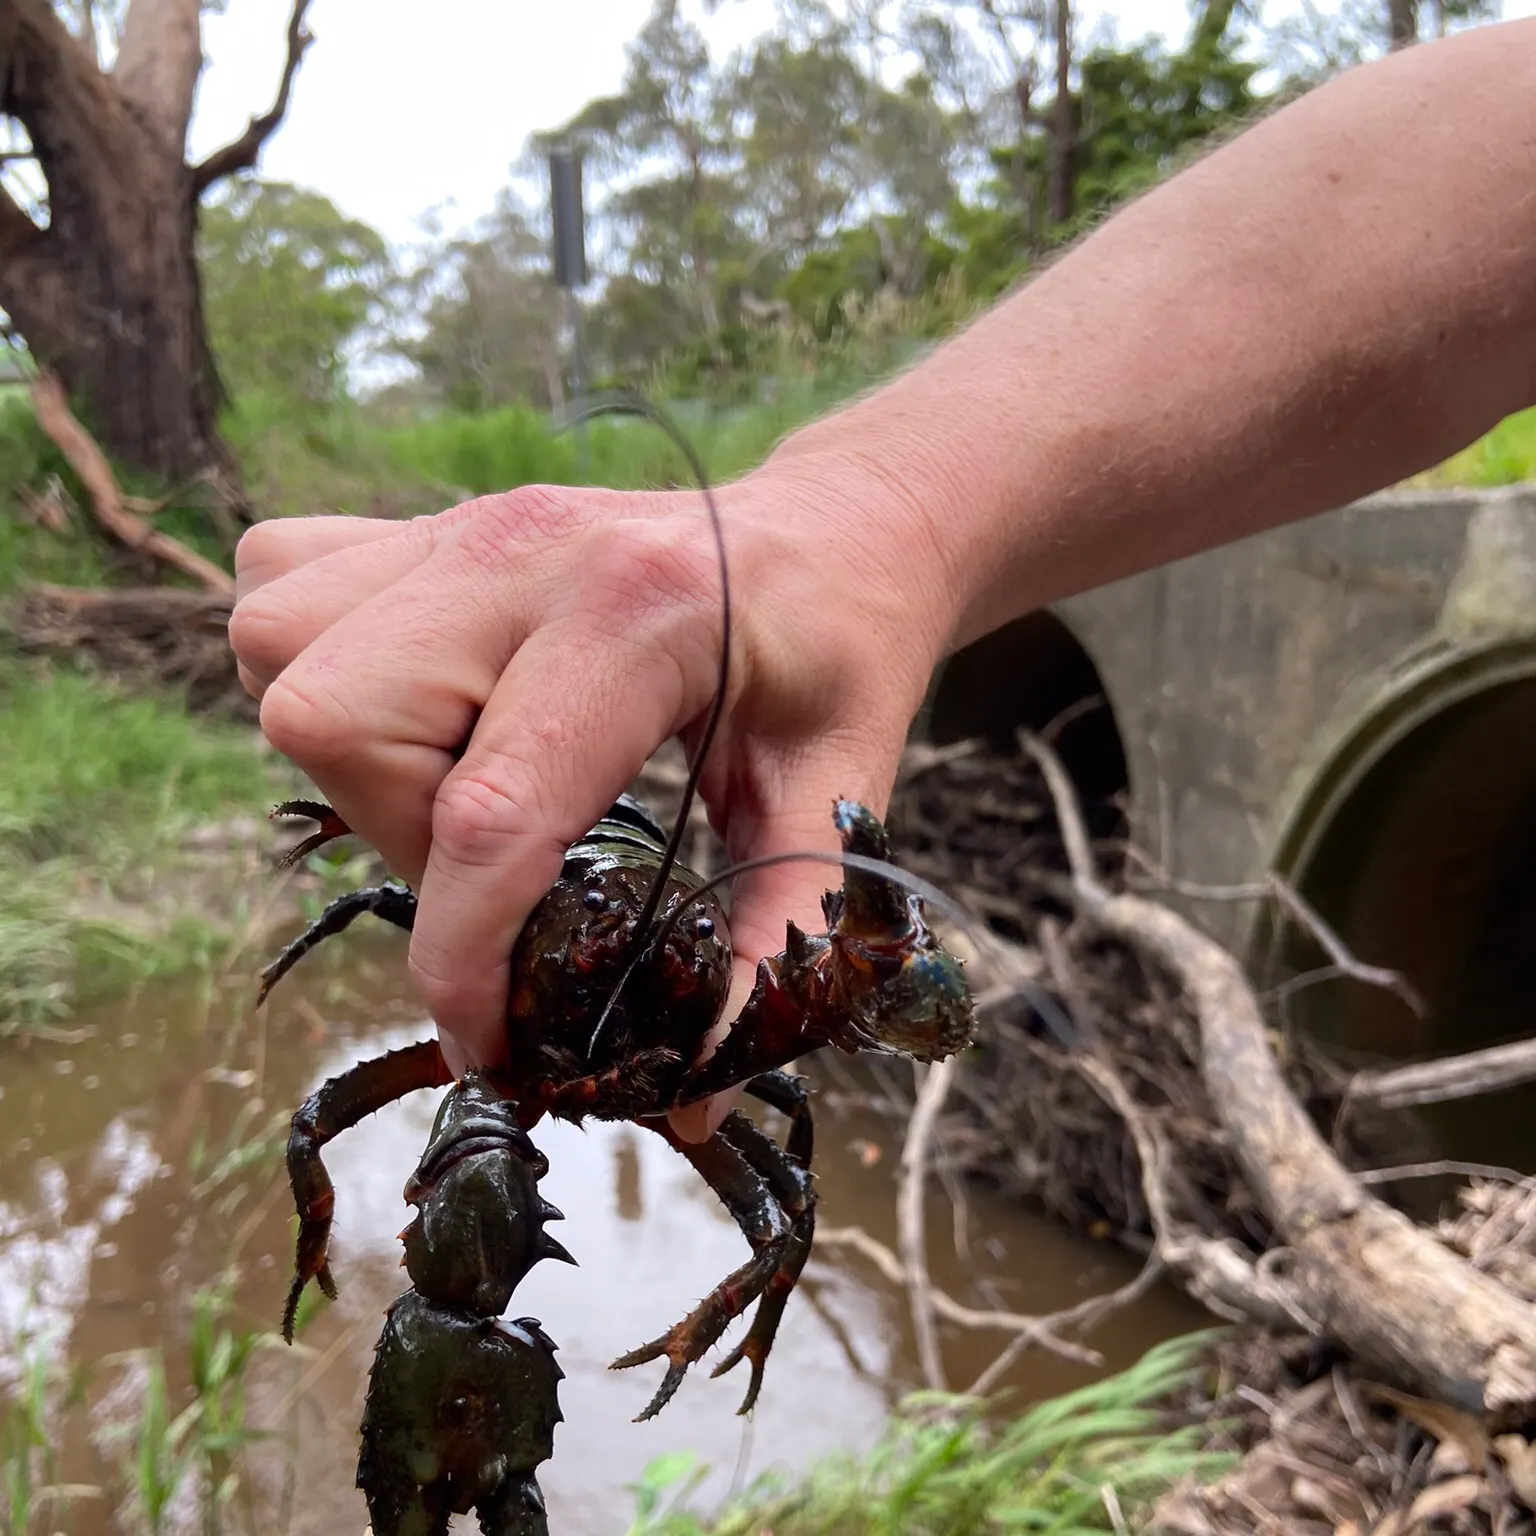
x: 764, y: 901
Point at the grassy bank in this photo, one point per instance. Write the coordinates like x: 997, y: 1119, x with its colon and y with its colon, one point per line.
x: 1093, y: 1460
x: 98, y: 890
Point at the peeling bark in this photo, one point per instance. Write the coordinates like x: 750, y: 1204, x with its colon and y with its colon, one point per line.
x: 159, y: 59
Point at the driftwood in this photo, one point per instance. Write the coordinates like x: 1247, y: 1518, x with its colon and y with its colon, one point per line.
x: 90, y: 464
x: 1453, y: 1077
x: 1125, y: 1078
x: 1368, y: 1277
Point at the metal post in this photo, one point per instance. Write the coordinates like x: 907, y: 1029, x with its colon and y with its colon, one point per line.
x: 570, y: 263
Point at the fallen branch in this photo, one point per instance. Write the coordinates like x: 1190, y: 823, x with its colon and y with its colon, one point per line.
x: 1306, y: 917
x: 1037, y: 1330
x: 1380, y: 1286
x: 90, y: 464
x: 909, y: 1216
x: 1451, y: 1077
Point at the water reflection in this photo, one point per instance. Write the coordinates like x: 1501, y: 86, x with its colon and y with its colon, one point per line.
x: 117, y: 1202
x: 628, y: 1204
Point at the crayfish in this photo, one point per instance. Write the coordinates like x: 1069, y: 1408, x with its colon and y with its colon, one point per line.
x: 617, y: 977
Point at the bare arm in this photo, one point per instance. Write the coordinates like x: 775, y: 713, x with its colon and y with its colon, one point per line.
x: 1340, y: 297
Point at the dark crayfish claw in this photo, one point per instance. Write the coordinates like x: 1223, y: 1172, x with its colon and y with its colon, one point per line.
x: 901, y: 989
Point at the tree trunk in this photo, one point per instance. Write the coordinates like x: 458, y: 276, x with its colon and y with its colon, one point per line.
x: 1403, y: 23
x: 1024, y: 183
x: 1064, y: 121
x: 107, y: 295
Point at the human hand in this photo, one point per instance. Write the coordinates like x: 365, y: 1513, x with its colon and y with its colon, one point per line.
x: 471, y: 691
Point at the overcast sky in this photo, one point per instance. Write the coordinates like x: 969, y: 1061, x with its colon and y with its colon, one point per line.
x: 393, y: 115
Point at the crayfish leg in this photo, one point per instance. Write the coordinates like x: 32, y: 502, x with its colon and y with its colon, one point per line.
x: 624, y: 1092
x: 787, y: 1170
x: 393, y: 903
x: 758, y: 1210
x: 331, y: 827
x: 336, y: 1106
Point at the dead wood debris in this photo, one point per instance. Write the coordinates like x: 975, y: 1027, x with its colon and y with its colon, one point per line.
x: 90, y: 464
x: 1166, y: 1122
x: 169, y: 636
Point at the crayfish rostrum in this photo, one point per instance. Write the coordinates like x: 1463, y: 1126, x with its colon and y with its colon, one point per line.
x: 617, y: 978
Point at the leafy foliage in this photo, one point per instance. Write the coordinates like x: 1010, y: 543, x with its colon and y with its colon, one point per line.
x: 288, y: 283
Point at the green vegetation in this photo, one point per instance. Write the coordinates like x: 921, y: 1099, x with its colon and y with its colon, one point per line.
x: 146, y: 1461
x: 1068, y: 1466
x: 1506, y: 456
x: 99, y: 790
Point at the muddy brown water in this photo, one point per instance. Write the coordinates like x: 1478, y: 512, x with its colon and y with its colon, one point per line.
x: 123, y: 1188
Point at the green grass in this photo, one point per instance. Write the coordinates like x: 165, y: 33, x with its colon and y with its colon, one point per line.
x: 942, y: 1468
x: 150, y: 1461
x: 1506, y: 456
x: 515, y: 446
x: 99, y: 789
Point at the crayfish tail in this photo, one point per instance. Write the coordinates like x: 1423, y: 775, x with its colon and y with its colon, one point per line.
x: 517, y: 1509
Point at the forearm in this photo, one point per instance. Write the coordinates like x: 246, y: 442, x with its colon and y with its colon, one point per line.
x: 1338, y: 298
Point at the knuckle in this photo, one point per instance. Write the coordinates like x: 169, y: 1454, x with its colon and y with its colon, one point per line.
x: 640, y: 567
x: 306, y: 724
x: 478, y: 813
x: 261, y: 631
x: 531, y: 514
x: 265, y: 550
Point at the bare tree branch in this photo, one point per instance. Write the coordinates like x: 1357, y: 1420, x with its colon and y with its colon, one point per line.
x: 240, y: 154
x: 1453, y: 1077
x: 17, y: 231
x: 88, y: 461
x: 909, y: 1216
x: 1306, y: 917
x: 1380, y: 1286
x: 1037, y: 1330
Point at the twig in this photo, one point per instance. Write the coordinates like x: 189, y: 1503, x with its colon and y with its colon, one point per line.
x: 909, y: 1216
x: 1306, y: 917
x: 240, y: 154
x: 1449, y: 1077
x: 1444, y: 1168
x: 87, y: 460
x: 1038, y: 1330
x: 1084, y: 1316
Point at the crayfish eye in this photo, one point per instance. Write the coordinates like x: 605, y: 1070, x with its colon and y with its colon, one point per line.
x: 704, y: 928
x: 594, y: 901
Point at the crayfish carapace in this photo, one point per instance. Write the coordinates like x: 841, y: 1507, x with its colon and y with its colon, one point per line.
x: 617, y: 978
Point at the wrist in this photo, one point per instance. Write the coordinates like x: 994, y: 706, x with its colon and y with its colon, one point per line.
x: 893, y: 500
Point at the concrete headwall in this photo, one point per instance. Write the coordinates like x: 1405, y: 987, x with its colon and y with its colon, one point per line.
x: 1350, y: 700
